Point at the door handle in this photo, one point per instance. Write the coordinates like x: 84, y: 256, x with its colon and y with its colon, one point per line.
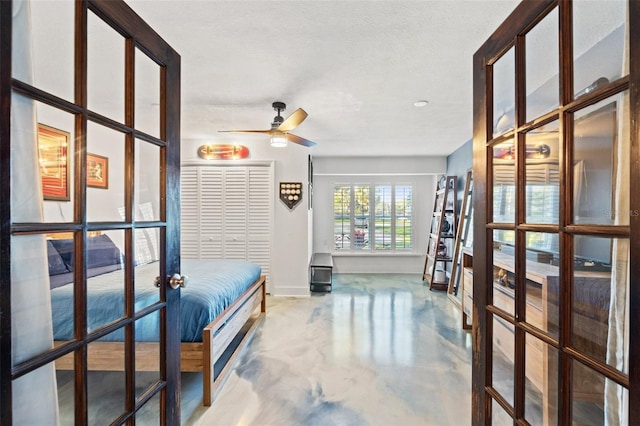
x: 178, y: 280
x: 175, y: 281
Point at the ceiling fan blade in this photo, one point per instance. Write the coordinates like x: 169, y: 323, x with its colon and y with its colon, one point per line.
x: 301, y: 141
x: 293, y: 120
x: 246, y: 131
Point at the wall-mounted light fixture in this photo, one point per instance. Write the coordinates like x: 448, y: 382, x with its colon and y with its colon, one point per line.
x: 278, y: 140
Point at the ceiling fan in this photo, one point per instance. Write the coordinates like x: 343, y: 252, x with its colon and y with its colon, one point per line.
x: 280, y: 128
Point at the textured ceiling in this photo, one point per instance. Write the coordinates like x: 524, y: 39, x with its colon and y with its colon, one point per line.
x: 356, y: 67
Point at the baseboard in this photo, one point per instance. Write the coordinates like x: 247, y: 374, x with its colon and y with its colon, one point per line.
x: 291, y: 291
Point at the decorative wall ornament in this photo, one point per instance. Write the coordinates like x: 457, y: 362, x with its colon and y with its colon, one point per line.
x: 291, y: 193
x: 223, y: 151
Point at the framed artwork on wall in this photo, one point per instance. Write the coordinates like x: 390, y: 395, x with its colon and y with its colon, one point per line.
x: 53, y: 146
x: 97, y: 171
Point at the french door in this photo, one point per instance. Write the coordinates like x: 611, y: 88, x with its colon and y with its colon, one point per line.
x: 89, y: 156
x: 556, y: 210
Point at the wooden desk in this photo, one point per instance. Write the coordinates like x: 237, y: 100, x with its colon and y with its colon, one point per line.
x: 590, y: 320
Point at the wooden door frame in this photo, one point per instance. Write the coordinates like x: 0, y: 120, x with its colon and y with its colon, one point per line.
x: 526, y: 14
x: 138, y: 35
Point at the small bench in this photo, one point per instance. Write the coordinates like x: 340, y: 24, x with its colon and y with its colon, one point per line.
x: 321, y: 268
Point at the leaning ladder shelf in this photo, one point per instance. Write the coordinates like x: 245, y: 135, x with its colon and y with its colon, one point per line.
x: 441, y: 235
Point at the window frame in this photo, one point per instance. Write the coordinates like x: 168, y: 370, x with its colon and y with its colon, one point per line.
x: 371, y: 217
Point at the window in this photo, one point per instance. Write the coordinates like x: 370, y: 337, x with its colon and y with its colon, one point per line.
x: 373, y: 217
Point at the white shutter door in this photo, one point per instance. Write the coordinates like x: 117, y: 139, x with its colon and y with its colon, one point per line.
x: 189, y: 223
x: 235, y: 213
x: 211, y: 213
x: 259, y: 218
x: 227, y: 213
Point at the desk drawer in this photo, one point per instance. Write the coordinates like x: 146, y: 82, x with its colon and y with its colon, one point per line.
x: 503, y: 299
x: 504, y: 341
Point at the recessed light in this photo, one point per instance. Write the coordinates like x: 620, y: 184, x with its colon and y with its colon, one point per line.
x: 420, y: 104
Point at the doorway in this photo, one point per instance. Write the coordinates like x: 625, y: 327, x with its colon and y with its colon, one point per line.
x: 88, y: 90
x: 555, y: 90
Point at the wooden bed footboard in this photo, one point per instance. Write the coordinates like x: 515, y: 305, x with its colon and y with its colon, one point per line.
x: 228, y: 335
x: 222, y: 342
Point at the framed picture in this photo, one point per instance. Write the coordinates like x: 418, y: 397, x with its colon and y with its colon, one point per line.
x: 53, y: 146
x: 97, y: 171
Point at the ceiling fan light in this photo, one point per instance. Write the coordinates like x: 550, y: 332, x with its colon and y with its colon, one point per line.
x: 278, y: 141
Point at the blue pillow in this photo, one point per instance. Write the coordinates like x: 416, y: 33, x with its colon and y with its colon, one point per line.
x: 65, y: 250
x: 56, y: 263
x: 101, y: 251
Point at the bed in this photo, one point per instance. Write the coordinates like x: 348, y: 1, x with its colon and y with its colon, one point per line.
x: 221, y: 307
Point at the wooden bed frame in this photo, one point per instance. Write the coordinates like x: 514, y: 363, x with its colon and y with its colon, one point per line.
x: 223, y: 340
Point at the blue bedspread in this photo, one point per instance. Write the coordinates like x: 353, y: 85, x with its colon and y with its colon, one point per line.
x: 213, y: 285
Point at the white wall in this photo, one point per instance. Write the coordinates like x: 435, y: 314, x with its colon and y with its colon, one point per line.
x: 419, y: 171
x: 290, y: 253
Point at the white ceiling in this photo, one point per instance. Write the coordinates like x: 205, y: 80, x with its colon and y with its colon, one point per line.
x: 356, y: 67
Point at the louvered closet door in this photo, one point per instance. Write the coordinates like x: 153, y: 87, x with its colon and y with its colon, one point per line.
x: 190, y: 222
x: 235, y: 210
x: 259, y: 214
x: 202, y: 219
x: 227, y: 213
x: 210, y: 214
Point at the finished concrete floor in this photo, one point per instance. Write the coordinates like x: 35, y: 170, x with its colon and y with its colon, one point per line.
x: 378, y: 350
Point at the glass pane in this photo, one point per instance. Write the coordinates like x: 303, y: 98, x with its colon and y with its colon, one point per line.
x: 404, y: 223
x: 342, y: 217
x: 499, y: 417
x: 542, y: 83
x: 50, y: 142
x: 149, y: 414
x: 106, y: 390
x: 361, y: 211
x: 105, y: 69
x: 503, y: 355
x: 30, y: 312
x: 542, y: 272
x: 60, y: 252
x: 598, y: 43
x: 105, y: 278
x: 504, y: 93
x: 105, y: 174
x: 147, y: 332
x: 588, y: 402
x: 541, y: 385
x: 601, y: 163
x: 147, y: 183
x: 52, y: 46
x: 504, y: 282
x: 65, y: 379
x: 600, y: 286
x: 29, y: 409
x: 147, y: 95
x: 542, y: 173
x: 147, y: 266
x: 504, y: 187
